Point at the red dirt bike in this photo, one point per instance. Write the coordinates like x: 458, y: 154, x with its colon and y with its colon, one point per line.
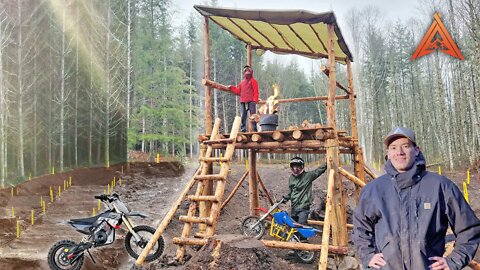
x: 282, y: 227
x: 100, y: 231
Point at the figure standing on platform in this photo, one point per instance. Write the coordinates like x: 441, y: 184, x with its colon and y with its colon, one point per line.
x: 248, y: 92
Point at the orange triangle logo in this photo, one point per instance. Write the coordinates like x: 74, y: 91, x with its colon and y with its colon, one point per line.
x: 437, y: 38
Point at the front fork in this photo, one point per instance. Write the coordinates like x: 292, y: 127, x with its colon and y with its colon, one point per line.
x: 130, y: 226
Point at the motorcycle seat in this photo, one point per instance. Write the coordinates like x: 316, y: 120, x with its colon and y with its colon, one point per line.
x: 85, y: 221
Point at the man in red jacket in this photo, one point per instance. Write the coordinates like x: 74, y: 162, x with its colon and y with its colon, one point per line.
x: 248, y: 92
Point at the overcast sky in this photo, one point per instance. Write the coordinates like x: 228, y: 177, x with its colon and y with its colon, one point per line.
x: 392, y: 10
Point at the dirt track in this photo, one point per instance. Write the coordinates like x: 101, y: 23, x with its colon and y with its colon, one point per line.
x: 143, y: 186
x: 148, y: 189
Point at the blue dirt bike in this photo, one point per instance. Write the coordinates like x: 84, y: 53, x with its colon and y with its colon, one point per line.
x: 282, y: 227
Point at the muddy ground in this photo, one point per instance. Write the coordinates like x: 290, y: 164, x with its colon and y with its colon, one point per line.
x: 149, y: 188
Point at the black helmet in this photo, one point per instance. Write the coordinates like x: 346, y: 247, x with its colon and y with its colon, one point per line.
x: 297, y: 161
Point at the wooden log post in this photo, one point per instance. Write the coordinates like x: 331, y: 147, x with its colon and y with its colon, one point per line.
x: 338, y: 217
x: 220, y: 186
x: 208, y: 109
x: 322, y: 264
x: 207, y: 185
x: 166, y: 220
x: 253, y: 183
x: 252, y: 158
x: 206, y: 65
x: 358, y: 167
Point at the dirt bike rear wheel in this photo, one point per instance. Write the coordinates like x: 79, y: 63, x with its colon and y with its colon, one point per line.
x: 135, y: 249
x: 57, y: 256
x: 305, y: 256
x: 258, y: 231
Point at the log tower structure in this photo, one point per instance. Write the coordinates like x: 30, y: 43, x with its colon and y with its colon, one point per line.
x: 314, y: 35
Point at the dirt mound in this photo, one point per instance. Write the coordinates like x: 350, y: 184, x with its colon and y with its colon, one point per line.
x: 235, y: 252
x: 15, y: 264
x: 161, y: 169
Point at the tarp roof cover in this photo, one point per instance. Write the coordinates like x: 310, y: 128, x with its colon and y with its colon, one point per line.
x: 281, y: 31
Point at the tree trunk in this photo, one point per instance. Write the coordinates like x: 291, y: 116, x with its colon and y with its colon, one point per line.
x: 62, y: 92
x: 21, y: 164
x: 108, y: 90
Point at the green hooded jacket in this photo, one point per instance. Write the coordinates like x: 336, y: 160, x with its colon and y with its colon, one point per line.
x: 301, y: 187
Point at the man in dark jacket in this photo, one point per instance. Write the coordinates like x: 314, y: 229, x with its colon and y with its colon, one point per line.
x: 300, y: 189
x: 248, y: 92
x: 402, y: 217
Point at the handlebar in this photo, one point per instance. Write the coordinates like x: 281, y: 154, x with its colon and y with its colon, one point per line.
x: 102, y: 197
x: 105, y: 197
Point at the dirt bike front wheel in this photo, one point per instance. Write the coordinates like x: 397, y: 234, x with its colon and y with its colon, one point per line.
x: 305, y: 256
x: 252, y: 227
x: 58, y: 256
x: 135, y: 248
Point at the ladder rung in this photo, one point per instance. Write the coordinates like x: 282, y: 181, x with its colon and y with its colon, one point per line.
x: 189, y: 241
x: 210, y: 177
x: 203, y: 198
x: 215, y: 159
x: 220, y: 141
x: 205, y: 220
x: 199, y: 235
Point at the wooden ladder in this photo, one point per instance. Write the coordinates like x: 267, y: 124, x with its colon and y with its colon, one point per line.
x: 207, y: 222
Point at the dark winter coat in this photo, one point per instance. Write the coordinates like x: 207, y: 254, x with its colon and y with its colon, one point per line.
x: 300, y: 187
x: 405, y: 216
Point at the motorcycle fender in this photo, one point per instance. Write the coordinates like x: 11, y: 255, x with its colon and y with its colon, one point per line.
x: 261, y: 209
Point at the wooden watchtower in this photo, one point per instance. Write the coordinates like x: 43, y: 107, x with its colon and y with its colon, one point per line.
x: 315, y: 35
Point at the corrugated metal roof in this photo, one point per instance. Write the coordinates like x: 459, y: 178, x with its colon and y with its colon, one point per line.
x: 281, y: 31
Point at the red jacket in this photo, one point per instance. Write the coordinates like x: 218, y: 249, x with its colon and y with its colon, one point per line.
x: 247, y: 90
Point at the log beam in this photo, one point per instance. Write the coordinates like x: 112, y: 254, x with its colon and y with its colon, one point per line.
x: 218, y: 86
x: 256, y: 138
x: 166, y: 220
x: 321, y: 223
x: 237, y: 186
x: 351, y: 177
x: 326, y: 71
x: 369, y: 171
x: 304, y: 246
x: 305, y: 99
x: 298, y: 135
x: 264, y: 189
x: 278, y: 136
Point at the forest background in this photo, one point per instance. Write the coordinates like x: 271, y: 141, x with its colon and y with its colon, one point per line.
x: 84, y: 81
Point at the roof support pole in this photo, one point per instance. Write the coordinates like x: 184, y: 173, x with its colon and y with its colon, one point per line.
x: 338, y: 215
x: 358, y: 153
x: 208, y: 189
x: 206, y: 68
x: 252, y: 158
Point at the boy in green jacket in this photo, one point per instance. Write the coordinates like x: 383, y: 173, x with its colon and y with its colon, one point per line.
x: 300, y: 189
